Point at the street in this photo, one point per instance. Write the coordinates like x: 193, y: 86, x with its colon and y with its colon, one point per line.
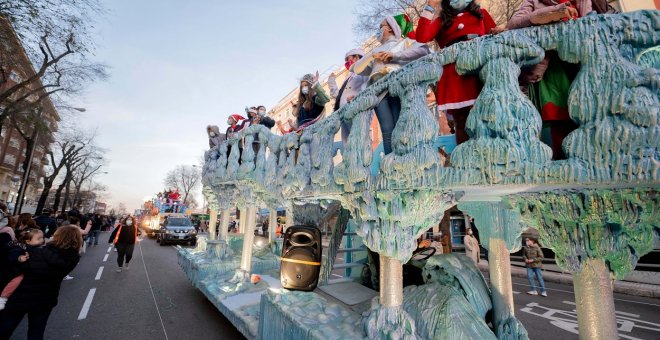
x: 102, y: 304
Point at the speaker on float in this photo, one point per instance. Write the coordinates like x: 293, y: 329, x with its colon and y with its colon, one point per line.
x: 301, y: 258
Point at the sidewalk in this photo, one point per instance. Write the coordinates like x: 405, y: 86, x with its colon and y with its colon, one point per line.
x: 623, y: 287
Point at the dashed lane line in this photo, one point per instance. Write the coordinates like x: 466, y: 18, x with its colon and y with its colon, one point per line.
x: 109, y: 249
x: 87, y: 304
x: 105, y: 258
x: 98, y: 273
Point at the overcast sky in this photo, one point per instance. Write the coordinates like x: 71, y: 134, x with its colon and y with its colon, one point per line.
x: 177, y: 66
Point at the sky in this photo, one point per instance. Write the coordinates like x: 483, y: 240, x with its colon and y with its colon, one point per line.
x: 178, y: 66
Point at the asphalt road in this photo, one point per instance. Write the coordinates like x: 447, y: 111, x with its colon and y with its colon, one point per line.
x: 152, y: 300
x: 164, y: 305
x: 554, y: 317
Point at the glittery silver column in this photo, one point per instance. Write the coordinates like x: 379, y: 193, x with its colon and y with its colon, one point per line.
x: 224, y: 225
x: 213, y: 218
x: 594, y: 301
x: 499, y: 267
x: 391, y: 282
x: 250, y: 219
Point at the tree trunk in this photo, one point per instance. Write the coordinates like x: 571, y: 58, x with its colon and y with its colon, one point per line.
x: 44, y: 196
x: 67, y: 197
x: 58, y: 192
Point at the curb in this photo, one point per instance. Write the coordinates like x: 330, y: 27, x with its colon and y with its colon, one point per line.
x: 622, y: 287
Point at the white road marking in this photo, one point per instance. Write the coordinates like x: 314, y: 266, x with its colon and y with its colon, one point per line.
x: 98, y: 273
x: 337, y: 275
x: 571, y: 292
x: 105, y: 258
x: 109, y: 249
x: 514, y: 292
x: 617, y: 312
x: 87, y: 304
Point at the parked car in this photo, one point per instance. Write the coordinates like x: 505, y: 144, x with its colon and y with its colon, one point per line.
x: 177, y: 229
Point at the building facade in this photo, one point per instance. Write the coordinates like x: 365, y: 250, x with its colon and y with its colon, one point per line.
x: 14, y: 150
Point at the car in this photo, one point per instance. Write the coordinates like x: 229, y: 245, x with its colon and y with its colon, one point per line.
x: 177, y: 229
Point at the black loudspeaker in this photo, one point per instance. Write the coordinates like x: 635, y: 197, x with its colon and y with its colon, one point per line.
x: 301, y: 258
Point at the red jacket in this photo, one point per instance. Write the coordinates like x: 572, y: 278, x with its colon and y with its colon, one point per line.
x: 465, y: 23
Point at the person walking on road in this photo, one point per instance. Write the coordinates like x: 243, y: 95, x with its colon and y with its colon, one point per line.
x: 533, y: 257
x: 46, y: 222
x: 471, y: 246
x: 94, y: 232
x: 43, y: 272
x: 124, y: 238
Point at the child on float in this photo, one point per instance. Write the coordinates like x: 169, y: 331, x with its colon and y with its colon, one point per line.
x: 548, y: 82
x: 395, y: 51
x: 311, y: 101
x: 449, y: 22
x: 28, y: 238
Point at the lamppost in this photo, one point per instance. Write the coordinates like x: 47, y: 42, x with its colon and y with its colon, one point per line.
x: 26, y: 175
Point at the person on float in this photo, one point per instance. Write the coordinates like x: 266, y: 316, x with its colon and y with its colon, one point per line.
x: 124, y: 238
x: 352, y: 85
x: 257, y: 116
x: 311, y: 101
x: 548, y: 82
x: 395, y: 51
x: 449, y: 22
x: 213, y: 131
x: 292, y: 124
x: 233, y: 128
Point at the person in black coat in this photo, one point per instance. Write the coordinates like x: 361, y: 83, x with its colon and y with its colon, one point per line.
x: 46, y: 223
x: 37, y: 294
x: 124, y: 238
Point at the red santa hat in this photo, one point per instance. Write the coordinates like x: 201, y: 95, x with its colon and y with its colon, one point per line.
x: 237, y: 117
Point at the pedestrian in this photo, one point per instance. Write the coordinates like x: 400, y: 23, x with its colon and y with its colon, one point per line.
x: 93, y: 236
x: 46, y: 222
x: 27, y: 239
x: 37, y: 294
x: 533, y: 257
x: 8, y: 268
x: 472, y: 249
x: 394, y: 52
x: 457, y: 20
x: 124, y: 238
x: 25, y: 221
x: 547, y: 83
x: 311, y: 101
x: 351, y: 87
x: 203, y: 225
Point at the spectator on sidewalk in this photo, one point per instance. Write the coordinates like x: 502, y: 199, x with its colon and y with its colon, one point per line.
x: 46, y: 222
x: 533, y: 257
x: 25, y: 221
x: 471, y: 246
x: 37, y: 294
x: 124, y: 238
x: 26, y: 240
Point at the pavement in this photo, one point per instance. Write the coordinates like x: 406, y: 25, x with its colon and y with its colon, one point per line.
x: 623, y: 287
x: 152, y: 300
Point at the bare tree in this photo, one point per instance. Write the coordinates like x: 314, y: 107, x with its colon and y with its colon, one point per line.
x: 501, y: 10
x: 70, y: 149
x: 371, y: 13
x: 54, y: 36
x: 186, y: 178
x: 85, y: 172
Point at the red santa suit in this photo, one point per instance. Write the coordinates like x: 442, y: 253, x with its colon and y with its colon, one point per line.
x: 453, y: 90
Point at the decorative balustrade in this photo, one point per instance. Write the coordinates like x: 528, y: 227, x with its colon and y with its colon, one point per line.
x: 504, y: 175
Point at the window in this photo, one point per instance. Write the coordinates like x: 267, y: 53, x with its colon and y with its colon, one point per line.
x: 10, y: 159
x: 14, y: 143
x: 15, y: 77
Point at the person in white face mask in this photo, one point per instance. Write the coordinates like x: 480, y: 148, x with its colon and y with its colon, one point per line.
x: 215, y: 137
x: 311, y: 100
x: 124, y: 238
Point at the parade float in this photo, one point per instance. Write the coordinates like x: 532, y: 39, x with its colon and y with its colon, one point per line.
x: 597, y: 210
